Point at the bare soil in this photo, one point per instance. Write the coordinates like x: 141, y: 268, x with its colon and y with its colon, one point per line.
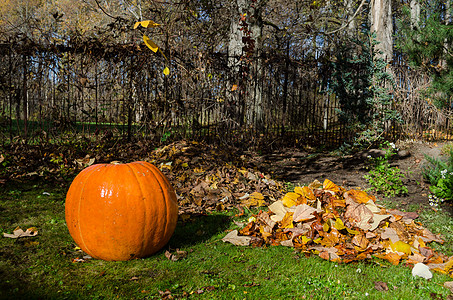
x: 302, y: 167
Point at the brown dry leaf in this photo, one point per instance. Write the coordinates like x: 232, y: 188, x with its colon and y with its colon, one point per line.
x: 449, y: 285
x: 416, y: 258
x: 237, y: 240
x: 18, y: 233
x: 304, y: 212
x: 175, y: 256
x: 85, y: 162
x: 360, y: 241
x: 390, y: 233
x: 359, y: 214
x: 279, y: 211
x: 428, y: 236
x: 404, y: 214
x: 381, y: 286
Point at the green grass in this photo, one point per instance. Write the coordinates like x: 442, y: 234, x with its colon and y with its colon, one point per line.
x: 212, y: 269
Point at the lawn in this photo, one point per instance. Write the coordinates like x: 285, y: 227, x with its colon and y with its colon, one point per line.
x: 50, y: 266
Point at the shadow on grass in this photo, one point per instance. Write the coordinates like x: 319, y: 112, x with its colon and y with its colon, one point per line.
x: 15, y: 285
x: 198, y: 229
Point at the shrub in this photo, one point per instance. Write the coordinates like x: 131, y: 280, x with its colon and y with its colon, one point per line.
x: 383, y: 177
x: 439, y: 173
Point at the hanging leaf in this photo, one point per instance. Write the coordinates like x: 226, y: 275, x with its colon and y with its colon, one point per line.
x: 151, y: 45
x: 146, y: 24
x: 166, y: 71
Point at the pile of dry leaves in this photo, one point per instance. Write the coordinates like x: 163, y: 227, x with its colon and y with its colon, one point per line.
x: 207, y: 178
x: 343, y: 226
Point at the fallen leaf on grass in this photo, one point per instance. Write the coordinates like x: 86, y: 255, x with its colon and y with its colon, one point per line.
x: 381, y: 286
x: 237, y: 240
x: 449, y: 285
x: 177, y: 255
x: 165, y: 294
x: 18, y: 233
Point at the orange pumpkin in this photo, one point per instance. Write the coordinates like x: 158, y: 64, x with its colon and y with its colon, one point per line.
x: 121, y: 212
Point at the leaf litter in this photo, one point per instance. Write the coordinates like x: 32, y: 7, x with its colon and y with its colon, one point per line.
x: 208, y: 178
x: 342, y: 226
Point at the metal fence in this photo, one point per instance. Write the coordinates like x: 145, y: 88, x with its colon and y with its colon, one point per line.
x: 122, y: 92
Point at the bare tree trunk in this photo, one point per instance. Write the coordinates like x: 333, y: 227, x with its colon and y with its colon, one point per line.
x: 381, y: 24
x: 415, y: 14
x: 239, y: 7
x: 447, y: 22
x: 252, y: 113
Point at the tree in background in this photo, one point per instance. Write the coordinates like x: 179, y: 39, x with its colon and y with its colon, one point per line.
x: 426, y: 37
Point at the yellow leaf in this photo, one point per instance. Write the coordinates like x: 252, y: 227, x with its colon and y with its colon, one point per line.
x: 305, y: 192
x: 449, y: 265
x: 305, y: 240
x: 151, y: 45
x: 166, y: 71
x: 359, y: 196
x: 325, y: 227
x: 287, y: 221
x: 392, y: 257
x: 243, y: 171
x: 234, y: 87
x: 352, y: 231
x: 329, y: 185
x: 339, y: 224
x: 290, y: 199
x: 257, y: 196
x: 401, y: 246
x: 146, y: 24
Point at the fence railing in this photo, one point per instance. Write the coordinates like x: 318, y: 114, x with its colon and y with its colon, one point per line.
x: 280, y: 101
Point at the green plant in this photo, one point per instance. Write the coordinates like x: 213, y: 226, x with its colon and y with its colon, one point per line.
x: 361, y: 82
x: 383, y: 177
x: 439, y: 173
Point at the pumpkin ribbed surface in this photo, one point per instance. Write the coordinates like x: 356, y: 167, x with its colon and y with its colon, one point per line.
x: 121, y: 212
